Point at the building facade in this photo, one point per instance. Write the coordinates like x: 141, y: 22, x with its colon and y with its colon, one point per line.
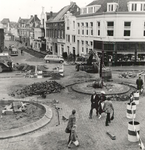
x: 55, y: 30
x: 115, y: 28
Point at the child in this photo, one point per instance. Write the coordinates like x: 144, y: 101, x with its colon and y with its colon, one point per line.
x: 73, y: 137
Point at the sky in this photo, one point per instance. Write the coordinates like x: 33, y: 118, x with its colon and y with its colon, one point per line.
x: 13, y: 9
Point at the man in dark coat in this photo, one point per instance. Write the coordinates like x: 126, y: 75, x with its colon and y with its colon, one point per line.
x: 139, y: 83
x: 94, y: 104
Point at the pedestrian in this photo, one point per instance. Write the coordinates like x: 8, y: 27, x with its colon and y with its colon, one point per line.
x: 94, y: 104
x: 101, y: 103
x: 71, y: 122
x: 139, y: 83
x: 108, y: 108
x: 73, y: 137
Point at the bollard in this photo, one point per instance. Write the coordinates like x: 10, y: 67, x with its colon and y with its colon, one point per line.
x: 39, y: 74
x: 136, y: 97
x: 133, y: 127
x: 131, y: 110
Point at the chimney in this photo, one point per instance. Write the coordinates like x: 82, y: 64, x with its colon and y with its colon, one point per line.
x: 51, y: 14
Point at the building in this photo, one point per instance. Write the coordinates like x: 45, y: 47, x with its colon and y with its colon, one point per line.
x: 2, y: 38
x: 26, y: 29
x: 55, y: 29
x: 6, y: 25
x: 116, y: 28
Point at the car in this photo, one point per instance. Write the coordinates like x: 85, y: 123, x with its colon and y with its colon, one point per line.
x: 14, y: 51
x: 53, y: 58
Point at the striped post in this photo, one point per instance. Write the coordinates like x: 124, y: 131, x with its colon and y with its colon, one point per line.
x: 131, y: 110
x: 39, y: 74
x: 136, y: 98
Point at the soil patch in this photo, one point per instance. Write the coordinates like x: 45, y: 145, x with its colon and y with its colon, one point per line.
x: 15, y: 120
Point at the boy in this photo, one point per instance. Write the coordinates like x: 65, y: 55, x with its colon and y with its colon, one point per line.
x: 74, y: 137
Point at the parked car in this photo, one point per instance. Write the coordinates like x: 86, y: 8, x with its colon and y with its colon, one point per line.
x: 14, y: 51
x: 53, y: 58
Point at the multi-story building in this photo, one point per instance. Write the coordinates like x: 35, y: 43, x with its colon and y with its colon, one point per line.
x: 6, y: 25
x: 26, y: 29
x: 55, y: 29
x: 114, y: 27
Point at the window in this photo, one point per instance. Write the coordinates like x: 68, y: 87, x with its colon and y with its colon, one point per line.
x: 82, y: 42
x: 90, y: 10
x: 82, y: 24
x: 68, y: 38
x: 142, y: 8
x: 86, y: 24
x: 109, y: 32
x: 127, y: 24
x: 73, y: 38
x: 126, y: 32
x: 67, y: 24
x: 98, y: 24
x: 73, y: 24
x: 134, y: 7
x: 144, y: 33
x: 110, y: 24
x: 87, y: 43
x: 78, y: 24
x: 87, y: 32
x: 91, y: 32
x: 78, y: 31
x: 98, y: 32
x: 82, y: 49
x: 82, y: 32
x: 86, y: 50
x: 91, y: 43
x: 91, y: 23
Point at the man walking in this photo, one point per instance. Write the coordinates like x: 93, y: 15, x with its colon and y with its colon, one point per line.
x: 139, y: 83
x: 71, y: 123
x: 108, y: 108
x: 94, y: 104
x: 100, y: 102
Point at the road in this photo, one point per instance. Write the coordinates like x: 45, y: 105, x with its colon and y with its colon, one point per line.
x: 92, y: 133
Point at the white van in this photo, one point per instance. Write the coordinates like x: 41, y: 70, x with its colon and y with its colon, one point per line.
x: 53, y: 58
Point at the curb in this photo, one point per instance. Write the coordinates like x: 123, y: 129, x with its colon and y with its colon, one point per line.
x: 88, y: 93
x: 30, y: 127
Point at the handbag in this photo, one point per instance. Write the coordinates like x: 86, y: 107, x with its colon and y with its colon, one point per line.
x: 67, y: 130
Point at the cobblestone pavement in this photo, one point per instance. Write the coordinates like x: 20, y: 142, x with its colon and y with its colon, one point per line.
x: 92, y: 133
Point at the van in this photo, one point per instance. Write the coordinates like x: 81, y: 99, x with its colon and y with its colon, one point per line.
x: 53, y: 58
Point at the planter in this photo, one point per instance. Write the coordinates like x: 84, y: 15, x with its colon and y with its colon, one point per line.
x: 131, y: 110
x: 136, y: 98
x: 133, y: 128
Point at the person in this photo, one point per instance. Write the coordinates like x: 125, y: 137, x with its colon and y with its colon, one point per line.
x: 94, y: 104
x: 108, y: 108
x: 73, y: 137
x: 101, y: 102
x: 139, y: 83
x: 71, y: 122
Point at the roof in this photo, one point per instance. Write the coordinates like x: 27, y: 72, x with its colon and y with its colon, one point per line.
x: 23, y: 20
x: 5, y: 21
x: 60, y: 15
x: 33, y: 19
x: 121, y: 3
x: 13, y: 24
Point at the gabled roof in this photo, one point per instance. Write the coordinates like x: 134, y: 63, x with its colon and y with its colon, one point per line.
x: 33, y: 19
x: 121, y: 3
x: 13, y: 24
x: 5, y: 21
x: 23, y: 21
x: 60, y: 15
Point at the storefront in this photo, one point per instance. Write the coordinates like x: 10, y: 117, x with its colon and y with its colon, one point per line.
x: 122, y: 53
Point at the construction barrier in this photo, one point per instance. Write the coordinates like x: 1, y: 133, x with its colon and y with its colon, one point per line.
x: 39, y: 74
x: 131, y: 110
x: 133, y: 130
x: 136, y: 98
x: 61, y: 70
